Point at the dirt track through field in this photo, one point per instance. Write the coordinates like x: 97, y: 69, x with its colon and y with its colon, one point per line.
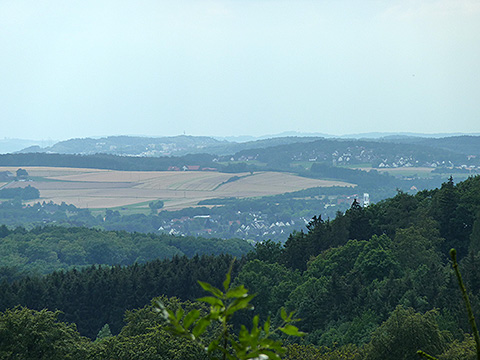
x: 91, y: 188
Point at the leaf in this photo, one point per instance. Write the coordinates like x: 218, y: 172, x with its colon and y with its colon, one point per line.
x: 190, y: 318
x: 255, y: 321
x: 211, y: 289
x: 228, y: 277
x: 166, y: 314
x: 212, y: 301
x: 291, y: 330
x: 287, y: 317
x: 200, y: 327
x: 271, y: 344
x: 270, y: 355
x: 226, y: 283
x: 243, y: 333
x: 213, y: 345
x: 237, y: 292
x: 179, y: 314
x: 239, y: 304
x: 266, y: 326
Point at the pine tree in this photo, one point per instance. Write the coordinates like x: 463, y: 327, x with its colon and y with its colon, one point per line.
x: 104, y: 333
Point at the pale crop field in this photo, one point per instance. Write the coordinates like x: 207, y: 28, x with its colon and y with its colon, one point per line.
x: 100, y: 189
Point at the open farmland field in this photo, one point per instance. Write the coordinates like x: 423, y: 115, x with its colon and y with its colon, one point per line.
x: 100, y: 189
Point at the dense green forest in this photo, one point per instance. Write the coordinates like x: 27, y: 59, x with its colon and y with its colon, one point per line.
x: 97, y: 295
x: 464, y: 144
x: 354, y: 152
x: 25, y: 193
x: 46, y: 249
x: 105, y: 161
x: 372, y: 283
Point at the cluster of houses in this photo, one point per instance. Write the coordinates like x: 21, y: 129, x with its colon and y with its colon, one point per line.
x: 358, y: 156
x: 253, y: 225
x: 361, y: 155
x: 218, y: 226
x: 149, y: 150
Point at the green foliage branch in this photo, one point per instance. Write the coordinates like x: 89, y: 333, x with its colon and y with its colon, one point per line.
x: 471, y: 318
x: 254, y: 344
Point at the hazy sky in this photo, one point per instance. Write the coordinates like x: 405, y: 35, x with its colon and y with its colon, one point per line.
x: 240, y: 67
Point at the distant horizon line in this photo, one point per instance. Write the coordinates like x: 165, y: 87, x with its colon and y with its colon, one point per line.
x: 370, y: 135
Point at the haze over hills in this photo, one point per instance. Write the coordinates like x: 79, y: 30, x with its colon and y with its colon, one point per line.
x: 422, y: 151
x: 182, y: 144
x: 8, y: 145
x: 386, y: 135
x: 399, y: 162
x: 464, y: 144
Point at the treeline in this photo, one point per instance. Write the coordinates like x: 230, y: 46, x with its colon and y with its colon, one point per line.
x: 463, y: 144
x: 46, y: 249
x: 373, y: 283
x: 359, y: 177
x: 105, y: 161
x: 99, y: 295
x: 22, y: 193
x: 14, y: 213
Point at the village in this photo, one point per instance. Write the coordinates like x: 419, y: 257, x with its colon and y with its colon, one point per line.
x: 255, y: 225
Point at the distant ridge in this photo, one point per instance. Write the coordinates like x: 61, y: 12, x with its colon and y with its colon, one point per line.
x: 379, y: 135
x: 367, y: 135
x: 246, y: 138
x: 181, y: 145
x: 129, y: 145
x: 13, y: 145
x: 159, y: 146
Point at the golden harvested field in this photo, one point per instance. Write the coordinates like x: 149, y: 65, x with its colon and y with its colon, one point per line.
x: 92, y: 188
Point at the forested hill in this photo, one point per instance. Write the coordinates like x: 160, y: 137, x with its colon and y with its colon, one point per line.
x: 452, y: 212
x: 464, y: 144
x: 101, y: 294
x: 105, y: 161
x: 372, y: 271
x: 183, y: 145
x: 159, y: 146
x: 45, y: 249
x: 358, y: 152
x: 129, y: 145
